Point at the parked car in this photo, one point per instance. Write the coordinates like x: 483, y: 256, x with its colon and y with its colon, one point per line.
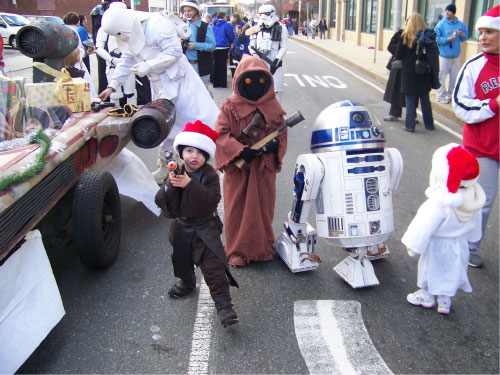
x: 45, y: 18
x: 10, y: 24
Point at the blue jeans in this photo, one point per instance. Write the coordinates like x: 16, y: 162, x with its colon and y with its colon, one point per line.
x: 290, y: 31
x: 411, y: 110
x: 488, y: 179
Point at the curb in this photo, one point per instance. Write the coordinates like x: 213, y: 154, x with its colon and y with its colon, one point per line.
x: 444, y: 109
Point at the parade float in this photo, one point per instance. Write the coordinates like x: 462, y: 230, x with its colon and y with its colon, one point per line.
x: 63, y: 163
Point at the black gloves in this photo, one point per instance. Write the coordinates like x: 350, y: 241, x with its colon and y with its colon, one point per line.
x: 248, y: 154
x: 274, y: 66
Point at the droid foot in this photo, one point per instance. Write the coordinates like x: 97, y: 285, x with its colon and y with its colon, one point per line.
x: 358, y: 273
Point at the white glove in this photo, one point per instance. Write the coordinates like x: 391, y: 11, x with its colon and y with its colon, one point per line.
x: 141, y: 69
x: 411, y: 253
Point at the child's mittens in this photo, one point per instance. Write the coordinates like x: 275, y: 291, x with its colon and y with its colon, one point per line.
x: 411, y: 253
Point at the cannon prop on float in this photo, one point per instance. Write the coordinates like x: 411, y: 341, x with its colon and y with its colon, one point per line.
x: 152, y: 123
x: 46, y: 42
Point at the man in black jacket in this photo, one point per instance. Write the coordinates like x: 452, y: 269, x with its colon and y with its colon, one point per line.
x: 198, y: 49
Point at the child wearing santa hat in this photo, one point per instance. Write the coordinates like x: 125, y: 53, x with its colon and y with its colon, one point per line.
x: 190, y: 196
x: 444, y: 223
x: 476, y: 101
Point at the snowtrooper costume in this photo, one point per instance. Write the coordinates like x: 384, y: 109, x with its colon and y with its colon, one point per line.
x: 443, y: 225
x: 107, y: 48
x: 272, y: 40
x: 150, y: 45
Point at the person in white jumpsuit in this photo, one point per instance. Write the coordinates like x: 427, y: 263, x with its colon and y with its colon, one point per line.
x: 150, y: 45
x: 444, y: 223
x: 272, y: 40
x: 107, y: 48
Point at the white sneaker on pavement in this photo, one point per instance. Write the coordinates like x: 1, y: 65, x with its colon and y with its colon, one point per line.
x: 444, y: 304
x: 421, y: 298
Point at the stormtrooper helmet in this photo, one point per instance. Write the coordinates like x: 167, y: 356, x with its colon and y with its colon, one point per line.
x: 268, y: 16
x: 125, y: 25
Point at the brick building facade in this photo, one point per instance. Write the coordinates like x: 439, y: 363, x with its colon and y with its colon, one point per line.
x: 57, y: 7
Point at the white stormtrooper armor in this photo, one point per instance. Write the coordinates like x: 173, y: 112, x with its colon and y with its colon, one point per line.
x: 151, y: 46
x: 272, y: 40
x: 112, y: 57
x: 351, y: 176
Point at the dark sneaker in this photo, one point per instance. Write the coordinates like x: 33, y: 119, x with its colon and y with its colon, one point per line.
x: 475, y: 260
x: 391, y: 118
x: 227, y: 317
x: 180, y: 289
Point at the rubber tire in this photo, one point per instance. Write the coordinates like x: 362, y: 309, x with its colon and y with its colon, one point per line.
x: 13, y: 42
x: 96, y: 219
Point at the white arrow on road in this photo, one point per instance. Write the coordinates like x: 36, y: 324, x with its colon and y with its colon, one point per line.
x: 333, y: 339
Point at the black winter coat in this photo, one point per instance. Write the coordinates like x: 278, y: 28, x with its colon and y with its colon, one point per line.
x: 413, y: 83
x: 393, y: 92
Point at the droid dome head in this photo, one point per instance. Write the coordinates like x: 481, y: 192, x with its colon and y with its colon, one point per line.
x: 346, y: 126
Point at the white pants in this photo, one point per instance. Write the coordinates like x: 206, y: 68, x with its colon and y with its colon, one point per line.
x: 451, y: 66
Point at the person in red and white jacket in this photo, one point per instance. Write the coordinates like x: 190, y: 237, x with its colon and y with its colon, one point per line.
x: 476, y: 101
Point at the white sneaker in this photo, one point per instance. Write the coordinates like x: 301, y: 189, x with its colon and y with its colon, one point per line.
x: 444, y: 304
x: 421, y: 298
x: 443, y: 100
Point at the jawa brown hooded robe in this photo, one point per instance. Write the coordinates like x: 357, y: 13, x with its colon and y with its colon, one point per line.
x: 250, y: 193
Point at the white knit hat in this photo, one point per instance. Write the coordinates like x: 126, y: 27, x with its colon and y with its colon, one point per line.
x: 490, y: 20
x: 197, y: 135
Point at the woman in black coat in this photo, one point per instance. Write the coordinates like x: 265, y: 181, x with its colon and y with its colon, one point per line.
x: 417, y: 86
x: 393, y: 94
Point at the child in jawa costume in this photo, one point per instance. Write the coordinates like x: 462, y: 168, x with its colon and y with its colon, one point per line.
x: 249, y: 193
x: 444, y: 223
x: 191, y: 198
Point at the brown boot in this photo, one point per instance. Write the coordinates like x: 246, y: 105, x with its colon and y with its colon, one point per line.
x: 181, y: 288
x: 227, y: 317
x: 225, y: 310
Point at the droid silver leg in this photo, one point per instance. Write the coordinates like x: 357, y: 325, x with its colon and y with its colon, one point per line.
x: 296, y: 247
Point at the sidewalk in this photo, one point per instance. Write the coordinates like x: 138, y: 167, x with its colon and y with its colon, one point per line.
x: 363, y: 58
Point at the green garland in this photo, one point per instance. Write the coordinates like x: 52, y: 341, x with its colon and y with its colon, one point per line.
x: 44, y: 141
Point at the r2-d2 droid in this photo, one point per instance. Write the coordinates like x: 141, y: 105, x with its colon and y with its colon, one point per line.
x: 351, y: 177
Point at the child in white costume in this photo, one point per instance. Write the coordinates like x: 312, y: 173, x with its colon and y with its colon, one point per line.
x: 443, y: 225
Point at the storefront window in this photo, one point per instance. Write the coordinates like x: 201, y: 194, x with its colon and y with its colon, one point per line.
x: 333, y: 13
x: 350, y: 11
x: 369, y: 24
x: 432, y: 11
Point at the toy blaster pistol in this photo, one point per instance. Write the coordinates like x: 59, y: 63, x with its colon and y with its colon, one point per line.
x: 171, y: 163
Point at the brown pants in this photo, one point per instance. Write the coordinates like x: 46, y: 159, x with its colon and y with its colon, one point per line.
x: 212, y: 268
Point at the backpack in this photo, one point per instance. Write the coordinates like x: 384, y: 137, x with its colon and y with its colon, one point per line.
x: 422, y: 65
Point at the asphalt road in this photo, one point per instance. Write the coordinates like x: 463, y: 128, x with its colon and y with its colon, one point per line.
x: 121, y: 320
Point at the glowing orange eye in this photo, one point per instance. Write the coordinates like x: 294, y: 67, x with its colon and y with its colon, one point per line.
x: 248, y: 81
x: 262, y: 80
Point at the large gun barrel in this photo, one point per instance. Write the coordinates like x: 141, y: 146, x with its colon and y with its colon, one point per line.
x: 151, y: 124
x: 46, y: 42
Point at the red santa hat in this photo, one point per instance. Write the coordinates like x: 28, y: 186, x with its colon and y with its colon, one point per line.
x: 490, y: 20
x: 197, y: 135
x: 455, y: 166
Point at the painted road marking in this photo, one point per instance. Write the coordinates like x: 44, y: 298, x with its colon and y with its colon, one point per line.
x: 203, y: 325
x: 333, y: 339
x: 436, y: 122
